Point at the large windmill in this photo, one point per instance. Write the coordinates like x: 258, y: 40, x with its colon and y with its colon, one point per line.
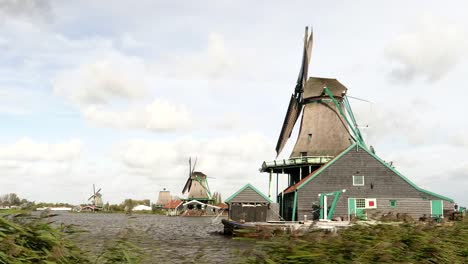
x: 96, y: 199
x: 197, y: 184
x: 327, y: 125
x: 324, y: 130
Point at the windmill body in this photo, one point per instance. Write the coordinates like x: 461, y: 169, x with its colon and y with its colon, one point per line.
x: 95, y: 200
x: 197, y: 185
x: 199, y: 189
x: 323, y: 131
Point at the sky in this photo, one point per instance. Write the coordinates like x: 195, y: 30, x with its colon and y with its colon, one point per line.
x: 121, y: 93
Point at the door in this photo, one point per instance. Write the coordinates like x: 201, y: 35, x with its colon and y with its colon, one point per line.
x: 437, y: 208
x: 356, y: 206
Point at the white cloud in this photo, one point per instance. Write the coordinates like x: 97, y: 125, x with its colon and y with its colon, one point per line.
x: 28, y: 150
x: 112, y: 76
x: 159, y: 116
x: 429, y: 50
x: 216, y: 61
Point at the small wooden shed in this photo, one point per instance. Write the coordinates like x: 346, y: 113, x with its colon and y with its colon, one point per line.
x: 249, y: 205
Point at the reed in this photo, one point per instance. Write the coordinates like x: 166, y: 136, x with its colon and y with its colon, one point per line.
x: 381, y: 243
x: 33, y: 239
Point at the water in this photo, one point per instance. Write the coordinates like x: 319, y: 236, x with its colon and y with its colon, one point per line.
x: 163, y: 239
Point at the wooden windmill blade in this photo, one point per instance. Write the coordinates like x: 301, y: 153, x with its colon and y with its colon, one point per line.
x: 295, y: 103
x: 303, y: 72
x: 188, y: 184
x: 292, y: 114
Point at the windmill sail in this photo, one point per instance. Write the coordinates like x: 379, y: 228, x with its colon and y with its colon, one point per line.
x: 294, y: 110
x: 295, y: 104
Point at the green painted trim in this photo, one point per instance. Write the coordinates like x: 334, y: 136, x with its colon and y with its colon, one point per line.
x: 248, y: 185
x: 326, y: 166
x: 406, y: 179
x: 333, y: 206
x: 294, y: 207
x: 338, y: 106
x: 322, y: 205
x: 351, y: 114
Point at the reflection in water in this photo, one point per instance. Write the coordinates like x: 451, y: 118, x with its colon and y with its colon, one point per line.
x: 163, y: 239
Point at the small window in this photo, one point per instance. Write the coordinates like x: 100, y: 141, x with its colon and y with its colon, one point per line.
x: 310, y: 137
x: 303, y: 154
x: 392, y: 203
x: 358, y: 180
x: 360, y: 203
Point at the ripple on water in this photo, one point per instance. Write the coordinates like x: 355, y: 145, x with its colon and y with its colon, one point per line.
x: 162, y: 238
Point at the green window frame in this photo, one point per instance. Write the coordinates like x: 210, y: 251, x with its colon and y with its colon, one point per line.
x: 393, y: 203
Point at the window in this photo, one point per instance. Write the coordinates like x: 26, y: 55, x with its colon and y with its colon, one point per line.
x: 358, y: 180
x: 392, y: 203
x: 360, y: 203
x: 303, y: 154
x: 310, y: 137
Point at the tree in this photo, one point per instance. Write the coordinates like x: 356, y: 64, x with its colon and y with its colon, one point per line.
x: 10, y: 199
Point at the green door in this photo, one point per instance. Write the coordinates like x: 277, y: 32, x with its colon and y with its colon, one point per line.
x: 351, y: 206
x: 357, y: 209
x: 436, y: 208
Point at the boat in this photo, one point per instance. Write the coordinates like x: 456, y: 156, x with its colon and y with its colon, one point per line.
x: 276, y: 228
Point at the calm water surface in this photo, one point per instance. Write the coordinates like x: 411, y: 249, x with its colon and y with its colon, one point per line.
x: 163, y: 239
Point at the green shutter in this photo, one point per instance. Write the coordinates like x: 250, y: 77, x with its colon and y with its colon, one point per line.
x: 436, y: 208
x: 351, y: 206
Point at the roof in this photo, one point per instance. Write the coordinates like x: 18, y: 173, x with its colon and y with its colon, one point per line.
x: 222, y: 205
x: 314, y: 87
x: 248, y: 185
x: 173, y: 204
x: 317, y: 172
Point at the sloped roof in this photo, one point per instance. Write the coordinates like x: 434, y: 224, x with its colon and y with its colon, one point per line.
x: 248, y: 185
x: 222, y: 205
x: 173, y: 204
x: 317, y: 172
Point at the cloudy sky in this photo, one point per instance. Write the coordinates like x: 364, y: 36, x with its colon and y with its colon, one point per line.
x: 121, y: 93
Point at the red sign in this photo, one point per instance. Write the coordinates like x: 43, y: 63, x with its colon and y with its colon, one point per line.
x: 371, y: 204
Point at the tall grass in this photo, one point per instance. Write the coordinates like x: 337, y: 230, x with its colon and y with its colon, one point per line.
x: 28, y: 239
x: 382, y: 243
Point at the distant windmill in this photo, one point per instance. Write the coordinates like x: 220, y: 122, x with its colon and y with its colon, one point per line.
x: 197, y: 184
x: 96, y: 199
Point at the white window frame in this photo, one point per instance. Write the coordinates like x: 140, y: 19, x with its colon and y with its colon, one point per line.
x: 354, y: 180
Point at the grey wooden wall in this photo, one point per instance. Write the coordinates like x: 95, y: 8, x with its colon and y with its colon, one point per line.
x: 380, y: 183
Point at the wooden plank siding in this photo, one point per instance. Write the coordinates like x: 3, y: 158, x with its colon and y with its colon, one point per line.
x: 248, y: 195
x: 379, y: 182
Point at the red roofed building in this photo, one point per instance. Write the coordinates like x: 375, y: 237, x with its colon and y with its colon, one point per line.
x: 173, y: 207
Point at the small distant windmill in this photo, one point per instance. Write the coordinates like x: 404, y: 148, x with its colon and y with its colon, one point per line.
x: 96, y: 199
x: 197, y: 184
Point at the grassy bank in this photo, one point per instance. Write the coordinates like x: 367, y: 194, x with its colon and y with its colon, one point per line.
x: 28, y: 239
x: 382, y: 243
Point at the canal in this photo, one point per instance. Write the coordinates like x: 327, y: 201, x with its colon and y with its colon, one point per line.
x: 162, y: 239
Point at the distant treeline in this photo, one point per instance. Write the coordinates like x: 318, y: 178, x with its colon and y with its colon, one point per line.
x: 13, y: 200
